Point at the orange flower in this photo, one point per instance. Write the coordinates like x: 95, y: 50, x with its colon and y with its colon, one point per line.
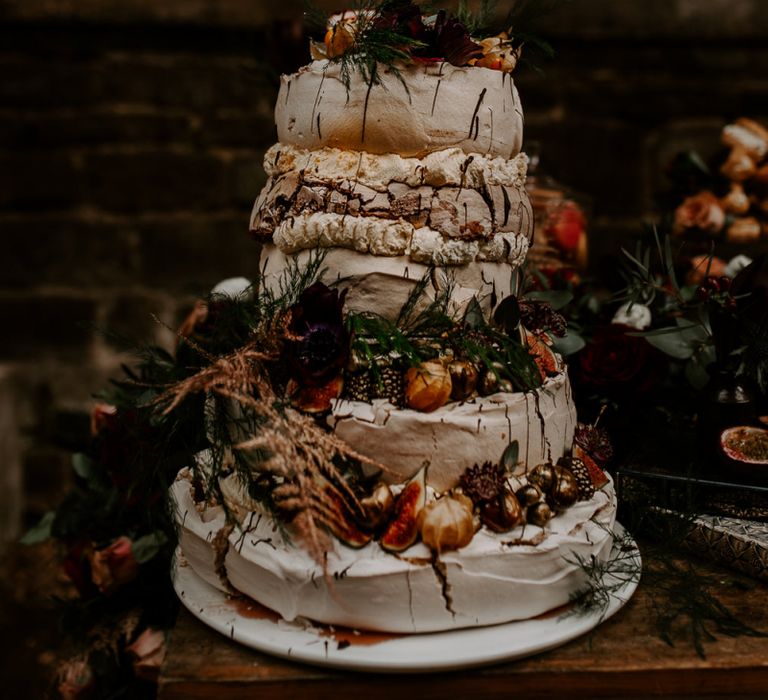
x: 701, y: 211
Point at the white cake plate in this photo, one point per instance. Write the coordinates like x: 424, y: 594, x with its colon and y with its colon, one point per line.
x: 263, y: 630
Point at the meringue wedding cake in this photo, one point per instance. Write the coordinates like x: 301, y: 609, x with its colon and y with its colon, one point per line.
x: 473, y: 504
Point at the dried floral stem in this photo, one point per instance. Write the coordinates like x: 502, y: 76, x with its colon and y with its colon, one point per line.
x: 296, y: 447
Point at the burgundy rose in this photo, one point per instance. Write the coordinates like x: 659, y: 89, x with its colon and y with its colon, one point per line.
x: 318, y: 342
x: 614, y: 361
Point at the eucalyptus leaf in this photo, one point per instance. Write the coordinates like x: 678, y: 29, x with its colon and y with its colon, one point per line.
x: 510, y: 456
x: 147, y: 547
x: 674, y: 344
x: 556, y: 298
x: 40, y: 532
x: 473, y: 317
x: 569, y: 344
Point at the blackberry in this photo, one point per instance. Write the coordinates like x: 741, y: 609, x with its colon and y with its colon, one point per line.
x: 357, y: 386
x: 393, y: 386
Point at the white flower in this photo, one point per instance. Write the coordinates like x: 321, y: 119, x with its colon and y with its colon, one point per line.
x: 234, y: 287
x: 637, y: 316
x: 736, y: 265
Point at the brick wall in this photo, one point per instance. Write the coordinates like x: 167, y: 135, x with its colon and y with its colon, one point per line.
x: 131, y: 137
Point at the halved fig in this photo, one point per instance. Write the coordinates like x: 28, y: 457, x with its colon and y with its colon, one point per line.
x: 340, y: 519
x: 598, y: 476
x: 315, y: 399
x: 403, y: 528
x: 543, y: 355
x: 746, y: 444
x: 378, y: 506
x: 349, y: 533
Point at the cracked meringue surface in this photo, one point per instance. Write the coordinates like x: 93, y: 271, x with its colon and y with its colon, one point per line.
x: 496, y: 578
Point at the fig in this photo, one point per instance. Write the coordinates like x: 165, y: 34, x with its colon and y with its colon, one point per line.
x: 491, y: 381
x: 565, y: 489
x: 528, y: 495
x: 598, y: 476
x: 543, y: 355
x: 464, y: 377
x: 539, y: 514
x: 428, y: 386
x: 315, y: 399
x: 378, y: 506
x: 347, y: 531
x: 447, y: 523
x: 503, y: 513
x: 403, y: 528
x: 543, y: 476
x: 344, y: 526
x: 746, y: 444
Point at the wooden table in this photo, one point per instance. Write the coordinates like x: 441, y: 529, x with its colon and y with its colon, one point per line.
x: 623, y: 658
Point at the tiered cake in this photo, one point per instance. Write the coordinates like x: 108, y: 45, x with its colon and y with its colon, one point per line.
x: 420, y: 174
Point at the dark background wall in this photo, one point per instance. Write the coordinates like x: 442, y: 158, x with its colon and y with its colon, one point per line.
x: 131, y: 138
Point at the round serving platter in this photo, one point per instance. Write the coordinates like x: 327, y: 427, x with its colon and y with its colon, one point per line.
x: 250, y: 624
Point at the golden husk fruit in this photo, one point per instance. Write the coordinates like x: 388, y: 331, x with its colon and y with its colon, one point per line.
x: 428, y: 386
x: 447, y: 523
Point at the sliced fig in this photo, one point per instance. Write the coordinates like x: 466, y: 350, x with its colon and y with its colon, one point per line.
x: 378, y: 506
x: 349, y: 533
x: 543, y: 355
x: 598, y: 476
x: 403, y: 528
x: 746, y: 444
x: 315, y: 399
x: 340, y: 519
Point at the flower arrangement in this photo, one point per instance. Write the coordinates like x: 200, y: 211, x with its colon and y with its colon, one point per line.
x: 663, y: 344
x: 394, y: 33
x: 727, y: 202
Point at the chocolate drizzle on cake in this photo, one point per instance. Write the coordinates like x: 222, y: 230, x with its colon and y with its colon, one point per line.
x: 318, y: 97
x: 507, y: 205
x: 474, y: 124
x: 365, y: 109
x: 441, y: 572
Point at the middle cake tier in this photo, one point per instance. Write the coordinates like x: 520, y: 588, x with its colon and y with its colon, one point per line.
x: 448, y: 208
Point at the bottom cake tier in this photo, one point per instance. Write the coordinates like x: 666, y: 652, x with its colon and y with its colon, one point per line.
x: 496, y: 578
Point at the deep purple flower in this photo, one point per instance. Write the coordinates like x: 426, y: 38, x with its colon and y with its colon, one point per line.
x: 318, y: 347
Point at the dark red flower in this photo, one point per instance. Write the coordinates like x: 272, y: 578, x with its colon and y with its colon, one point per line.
x: 318, y: 347
x: 452, y: 41
x: 614, y: 361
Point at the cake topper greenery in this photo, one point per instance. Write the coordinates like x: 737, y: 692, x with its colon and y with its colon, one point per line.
x: 390, y: 34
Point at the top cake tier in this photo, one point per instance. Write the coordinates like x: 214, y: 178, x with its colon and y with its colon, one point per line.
x: 429, y: 107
